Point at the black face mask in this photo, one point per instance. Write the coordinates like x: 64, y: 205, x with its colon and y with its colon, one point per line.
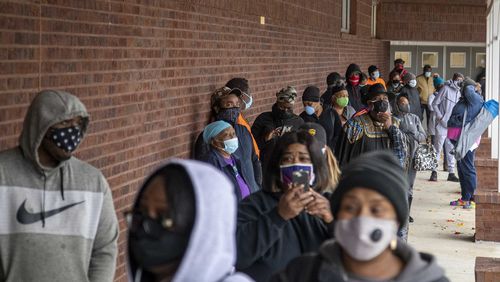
x: 381, y: 106
x: 230, y: 115
x: 162, y: 247
x: 284, y: 114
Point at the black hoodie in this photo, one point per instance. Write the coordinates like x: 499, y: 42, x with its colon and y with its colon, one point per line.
x: 327, y: 266
x: 354, y: 91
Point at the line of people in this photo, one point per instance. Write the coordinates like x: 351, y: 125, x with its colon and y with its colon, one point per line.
x: 335, y: 181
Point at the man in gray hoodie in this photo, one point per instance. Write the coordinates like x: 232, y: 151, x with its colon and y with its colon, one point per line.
x: 442, y: 105
x: 57, y: 220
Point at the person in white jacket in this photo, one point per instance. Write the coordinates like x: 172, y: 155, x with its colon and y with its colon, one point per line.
x: 443, y: 104
x: 182, y: 226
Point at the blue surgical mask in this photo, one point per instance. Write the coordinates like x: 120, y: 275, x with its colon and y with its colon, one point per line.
x: 309, y: 110
x: 231, y: 145
x: 375, y: 75
x: 427, y: 74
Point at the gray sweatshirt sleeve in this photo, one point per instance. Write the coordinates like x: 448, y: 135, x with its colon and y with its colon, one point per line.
x: 104, y: 252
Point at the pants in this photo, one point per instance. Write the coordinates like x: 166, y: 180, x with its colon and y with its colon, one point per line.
x: 467, y: 175
x: 411, y: 175
x: 441, y: 140
x: 425, y: 108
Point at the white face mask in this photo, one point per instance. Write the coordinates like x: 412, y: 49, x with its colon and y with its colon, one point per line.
x: 364, y: 238
x: 412, y: 83
x: 247, y: 101
x: 427, y: 74
x: 375, y: 75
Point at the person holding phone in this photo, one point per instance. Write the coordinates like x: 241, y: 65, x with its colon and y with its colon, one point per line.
x: 291, y: 215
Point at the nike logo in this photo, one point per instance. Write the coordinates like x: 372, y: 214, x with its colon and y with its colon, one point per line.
x: 25, y: 217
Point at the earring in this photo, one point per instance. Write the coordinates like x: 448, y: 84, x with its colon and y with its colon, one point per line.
x: 394, y: 244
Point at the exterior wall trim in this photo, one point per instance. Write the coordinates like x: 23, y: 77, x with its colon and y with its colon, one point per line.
x: 438, y: 43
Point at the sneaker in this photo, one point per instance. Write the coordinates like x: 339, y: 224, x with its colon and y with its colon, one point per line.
x: 453, y: 178
x: 434, y: 176
x: 458, y: 203
x: 469, y: 205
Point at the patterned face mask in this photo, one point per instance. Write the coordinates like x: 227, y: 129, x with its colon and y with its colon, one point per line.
x: 67, y: 138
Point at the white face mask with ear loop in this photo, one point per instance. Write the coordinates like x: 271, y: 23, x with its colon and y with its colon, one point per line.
x: 248, y: 103
x: 364, y: 238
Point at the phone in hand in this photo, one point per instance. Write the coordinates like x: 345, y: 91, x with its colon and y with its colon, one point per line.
x: 301, y: 177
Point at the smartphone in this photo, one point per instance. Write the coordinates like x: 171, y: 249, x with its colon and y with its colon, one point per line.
x: 301, y: 177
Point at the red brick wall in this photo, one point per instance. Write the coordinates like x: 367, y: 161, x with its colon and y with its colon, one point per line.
x: 432, y: 20
x: 145, y: 68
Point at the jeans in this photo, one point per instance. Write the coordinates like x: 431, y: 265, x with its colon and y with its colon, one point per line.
x: 467, y: 175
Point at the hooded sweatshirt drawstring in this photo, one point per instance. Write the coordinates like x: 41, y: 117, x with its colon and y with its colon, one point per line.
x: 61, y: 170
x: 43, y: 199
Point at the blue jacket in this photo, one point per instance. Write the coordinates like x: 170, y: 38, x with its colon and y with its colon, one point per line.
x: 215, y: 158
x: 470, y: 100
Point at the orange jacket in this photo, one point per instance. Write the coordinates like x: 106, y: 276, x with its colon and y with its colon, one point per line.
x: 369, y: 81
x: 242, y: 121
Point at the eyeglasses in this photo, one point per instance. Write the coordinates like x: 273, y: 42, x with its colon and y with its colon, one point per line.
x: 154, y: 227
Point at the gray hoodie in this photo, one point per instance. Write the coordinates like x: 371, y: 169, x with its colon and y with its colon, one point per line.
x: 328, y: 266
x: 211, y: 253
x: 56, y: 224
x: 447, y: 97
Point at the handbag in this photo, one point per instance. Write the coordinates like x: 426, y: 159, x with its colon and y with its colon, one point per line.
x: 425, y: 157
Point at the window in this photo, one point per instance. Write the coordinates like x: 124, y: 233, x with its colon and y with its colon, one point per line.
x: 346, y: 16
x: 430, y: 58
x: 374, y: 18
x: 457, y: 60
x: 480, y: 60
x: 405, y: 55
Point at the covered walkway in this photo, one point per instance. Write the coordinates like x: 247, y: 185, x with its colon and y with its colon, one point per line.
x: 447, y: 232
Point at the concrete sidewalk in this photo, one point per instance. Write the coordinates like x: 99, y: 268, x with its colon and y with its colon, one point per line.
x: 445, y: 231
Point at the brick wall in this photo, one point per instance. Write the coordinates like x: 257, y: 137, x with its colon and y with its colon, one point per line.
x: 487, y: 269
x: 487, y: 214
x: 432, y: 20
x: 145, y: 68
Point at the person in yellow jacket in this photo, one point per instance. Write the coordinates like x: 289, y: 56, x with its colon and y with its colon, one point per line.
x: 425, y: 87
x: 374, y: 76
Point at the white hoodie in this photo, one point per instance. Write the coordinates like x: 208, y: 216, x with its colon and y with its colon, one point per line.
x: 211, y: 253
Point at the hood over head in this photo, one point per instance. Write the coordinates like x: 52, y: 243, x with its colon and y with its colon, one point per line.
x: 47, y: 109
x: 211, y: 252
x: 352, y: 68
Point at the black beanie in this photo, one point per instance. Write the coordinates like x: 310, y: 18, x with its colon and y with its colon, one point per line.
x: 316, y: 130
x: 338, y: 88
x: 379, y: 171
x: 372, y: 69
x: 311, y: 93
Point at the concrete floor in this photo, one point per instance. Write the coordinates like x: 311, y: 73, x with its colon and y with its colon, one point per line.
x: 445, y: 231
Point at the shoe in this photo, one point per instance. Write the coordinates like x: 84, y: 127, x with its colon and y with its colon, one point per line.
x: 458, y: 203
x: 469, y: 205
x: 411, y: 219
x: 453, y: 178
x: 434, y: 176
